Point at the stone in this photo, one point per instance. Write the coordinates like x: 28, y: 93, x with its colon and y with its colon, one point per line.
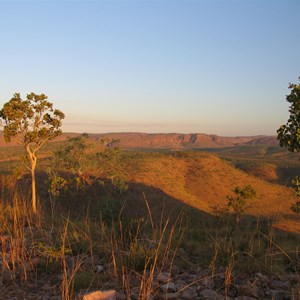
x: 262, y: 278
x: 180, y: 284
x: 293, y: 278
x: 163, y: 277
x: 121, y: 296
x: 280, y: 285
x: 189, y: 293
x: 210, y: 295
x: 279, y: 295
x: 98, y: 269
x: 101, y: 295
x: 193, y: 277
x: 169, y: 287
x: 247, y: 290
x: 208, y: 282
x: 172, y: 296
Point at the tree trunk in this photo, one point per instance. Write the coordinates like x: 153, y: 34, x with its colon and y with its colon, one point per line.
x: 33, y: 160
x: 33, y: 191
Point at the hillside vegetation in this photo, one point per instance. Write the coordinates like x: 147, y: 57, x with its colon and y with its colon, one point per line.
x: 203, y: 180
x: 135, y: 215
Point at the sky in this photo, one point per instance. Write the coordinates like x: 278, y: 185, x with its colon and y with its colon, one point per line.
x: 215, y: 67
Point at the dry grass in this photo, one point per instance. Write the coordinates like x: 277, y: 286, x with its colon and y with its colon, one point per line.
x: 204, y: 180
x: 162, y: 231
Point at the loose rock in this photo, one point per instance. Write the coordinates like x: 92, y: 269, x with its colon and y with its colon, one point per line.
x: 210, y: 295
x: 189, y: 293
x: 99, y: 269
x: 100, y: 295
x: 169, y: 287
x: 163, y: 277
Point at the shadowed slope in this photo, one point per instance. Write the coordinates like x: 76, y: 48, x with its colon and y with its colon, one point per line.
x: 204, y: 180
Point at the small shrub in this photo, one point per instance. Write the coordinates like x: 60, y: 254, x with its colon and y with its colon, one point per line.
x: 239, y: 203
x: 296, y: 207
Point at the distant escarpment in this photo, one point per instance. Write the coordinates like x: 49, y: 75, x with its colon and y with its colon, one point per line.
x: 183, y: 141
x: 137, y: 140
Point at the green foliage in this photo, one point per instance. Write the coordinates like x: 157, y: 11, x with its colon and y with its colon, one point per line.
x: 84, y: 279
x: 109, y: 162
x: 32, y: 123
x: 34, y: 118
x: 289, y: 134
x: 296, y: 207
x: 139, y: 254
x: 86, y: 167
x: 73, y: 158
x: 50, y: 252
x: 239, y: 203
x: 57, y: 184
x: 296, y: 182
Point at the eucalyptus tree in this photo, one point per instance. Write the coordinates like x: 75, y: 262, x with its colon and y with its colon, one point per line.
x: 289, y: 133
x: 31, y: 122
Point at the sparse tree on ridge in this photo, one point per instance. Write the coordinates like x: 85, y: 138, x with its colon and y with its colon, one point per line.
x: 32, y: 122
x: 289, y: 134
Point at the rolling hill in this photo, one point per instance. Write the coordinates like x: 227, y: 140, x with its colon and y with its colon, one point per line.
x: 203, y: 181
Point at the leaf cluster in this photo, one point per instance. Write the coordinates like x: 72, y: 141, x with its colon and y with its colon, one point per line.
x: 86, y: 167
x: 73, y: 157
x: 32, y: 121
x: 289, y: 134
x: 238, y: 203
x: 110, y: 161
x: 296, y: 207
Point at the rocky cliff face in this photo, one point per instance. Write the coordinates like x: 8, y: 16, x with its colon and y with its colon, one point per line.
x: 136, y: 140
x: 183, y: 141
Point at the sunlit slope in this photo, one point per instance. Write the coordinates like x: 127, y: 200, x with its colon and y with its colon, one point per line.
x: 204, y: 180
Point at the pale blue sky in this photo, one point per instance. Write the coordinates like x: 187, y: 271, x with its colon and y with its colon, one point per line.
x: 218, y: 67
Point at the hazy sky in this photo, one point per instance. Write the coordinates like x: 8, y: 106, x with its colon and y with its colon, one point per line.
x: 218, y: 67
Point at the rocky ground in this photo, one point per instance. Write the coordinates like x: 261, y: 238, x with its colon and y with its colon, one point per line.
x: 193, y: 284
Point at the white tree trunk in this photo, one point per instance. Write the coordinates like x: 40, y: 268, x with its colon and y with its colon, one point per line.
x: 33, y: 191
x: 33, y: 160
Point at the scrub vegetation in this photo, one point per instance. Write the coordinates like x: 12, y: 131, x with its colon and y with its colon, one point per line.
x: 107, y: 218
x: 133, y: 215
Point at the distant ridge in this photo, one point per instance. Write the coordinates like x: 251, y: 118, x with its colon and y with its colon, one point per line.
x: 137, y: 140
